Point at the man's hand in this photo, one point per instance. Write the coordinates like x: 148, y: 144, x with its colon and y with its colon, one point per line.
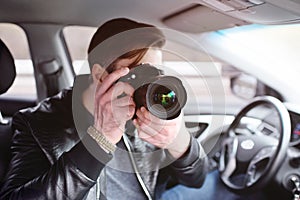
x: 165, y: 134
x: 110, y: 111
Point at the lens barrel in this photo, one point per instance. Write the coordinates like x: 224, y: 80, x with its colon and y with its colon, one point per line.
x: 164, y: 96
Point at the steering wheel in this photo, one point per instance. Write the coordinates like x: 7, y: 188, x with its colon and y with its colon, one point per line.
x: 248, y: 162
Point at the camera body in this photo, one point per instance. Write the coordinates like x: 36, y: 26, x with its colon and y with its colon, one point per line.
x: 164, y: 96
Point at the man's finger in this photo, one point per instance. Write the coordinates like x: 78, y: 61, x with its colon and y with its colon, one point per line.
x: 115, y: 91
x: 110, y: 79
x: 124, y: 101
x: 123, y: 113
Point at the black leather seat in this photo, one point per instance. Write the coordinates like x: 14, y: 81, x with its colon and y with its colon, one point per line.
x: 7, y: 76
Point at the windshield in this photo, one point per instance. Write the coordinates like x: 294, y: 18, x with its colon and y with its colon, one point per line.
x: 272, y: 52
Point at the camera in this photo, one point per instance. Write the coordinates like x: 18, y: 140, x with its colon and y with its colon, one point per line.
x: 163, y: 96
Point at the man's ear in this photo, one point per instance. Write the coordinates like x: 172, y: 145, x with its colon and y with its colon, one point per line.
x: 98, y: 73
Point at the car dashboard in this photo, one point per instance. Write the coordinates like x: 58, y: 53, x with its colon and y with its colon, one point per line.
x: 295, y: 134
x: 211, y: 132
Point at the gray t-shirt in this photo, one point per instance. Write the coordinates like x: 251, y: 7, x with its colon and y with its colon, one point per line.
x: 118, y: 180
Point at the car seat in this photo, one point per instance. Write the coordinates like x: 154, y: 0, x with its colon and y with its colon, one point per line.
x: 7, y: 77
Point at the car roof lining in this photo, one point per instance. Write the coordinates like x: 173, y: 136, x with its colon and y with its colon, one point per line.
x: 89, y: 14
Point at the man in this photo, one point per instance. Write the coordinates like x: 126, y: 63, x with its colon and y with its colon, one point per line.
x: 81, y: 143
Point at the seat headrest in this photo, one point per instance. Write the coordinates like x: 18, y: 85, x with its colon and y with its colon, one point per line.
x: 7, y: 68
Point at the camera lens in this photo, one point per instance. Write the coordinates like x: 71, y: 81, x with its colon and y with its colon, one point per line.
x: 164, y: 96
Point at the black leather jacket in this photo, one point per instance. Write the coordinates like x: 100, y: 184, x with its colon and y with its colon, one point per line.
x: 50, y: 161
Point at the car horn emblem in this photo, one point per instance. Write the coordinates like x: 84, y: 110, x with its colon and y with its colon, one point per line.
x: 247, y: 144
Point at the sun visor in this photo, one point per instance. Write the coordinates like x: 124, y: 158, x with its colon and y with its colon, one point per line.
x: 258, y: 11
x: 212, y: 15
x: 198, y: 18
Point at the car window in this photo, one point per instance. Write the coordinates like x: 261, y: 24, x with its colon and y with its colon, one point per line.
x: 15, y: 39
x: 270, y: 52
x: 206, y: 80
x: 78, y: 47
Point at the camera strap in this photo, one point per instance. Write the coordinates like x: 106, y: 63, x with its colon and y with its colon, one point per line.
x: 137, y: 173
